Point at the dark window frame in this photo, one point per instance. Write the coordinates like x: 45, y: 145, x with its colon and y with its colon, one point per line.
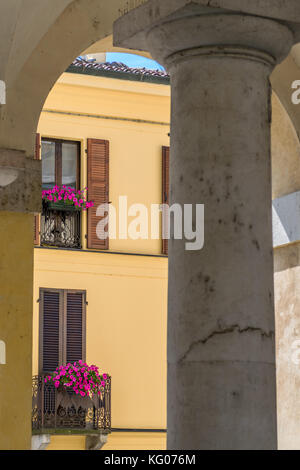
x: 62, y: 324
x: 58, y: 178
x: 58, y: 158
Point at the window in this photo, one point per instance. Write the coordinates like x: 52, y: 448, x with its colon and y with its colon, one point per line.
x: 62, y: 328
x: 58, y: 226
x: 60, y: 163
x: 60, y: 166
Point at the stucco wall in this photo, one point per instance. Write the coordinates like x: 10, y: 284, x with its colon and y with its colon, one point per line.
x: 287, y: 301
x: 285, y: 152
x: 127, y: 295
x: 116, y: 441
x: 126, y: 325
x: 286, y: 180
x: 135, y: 145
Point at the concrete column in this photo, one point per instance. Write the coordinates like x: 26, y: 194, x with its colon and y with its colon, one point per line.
x: 16, y: 281
x: 221, y: 345
x: 20, y: 197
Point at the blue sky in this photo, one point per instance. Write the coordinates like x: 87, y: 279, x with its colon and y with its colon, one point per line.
x: 133, y: 60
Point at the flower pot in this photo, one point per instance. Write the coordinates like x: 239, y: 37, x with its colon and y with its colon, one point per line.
x: 61, y: 206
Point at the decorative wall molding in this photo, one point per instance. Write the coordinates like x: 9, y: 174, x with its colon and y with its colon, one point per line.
x: 20, y: 182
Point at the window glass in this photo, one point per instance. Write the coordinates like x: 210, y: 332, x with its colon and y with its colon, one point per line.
x: 48, y: 164
x: 69, y: 164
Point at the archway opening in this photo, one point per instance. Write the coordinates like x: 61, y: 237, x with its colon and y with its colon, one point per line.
x: 106, y: 124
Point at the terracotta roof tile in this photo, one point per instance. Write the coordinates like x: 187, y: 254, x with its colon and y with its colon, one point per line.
x: 119, y: 70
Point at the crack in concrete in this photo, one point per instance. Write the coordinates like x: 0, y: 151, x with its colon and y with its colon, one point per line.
x: 224, y: 331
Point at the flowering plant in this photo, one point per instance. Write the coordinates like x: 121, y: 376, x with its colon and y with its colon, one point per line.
x: 79, y: 377
x: 68, y: 196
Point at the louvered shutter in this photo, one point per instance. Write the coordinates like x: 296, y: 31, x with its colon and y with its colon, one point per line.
x: 98, y: 188
x: 36, y: 229
x: 165, y: 194
x: 75, y: 326
x: 50, y: 330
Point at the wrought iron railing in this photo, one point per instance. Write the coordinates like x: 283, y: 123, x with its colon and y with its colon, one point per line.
x: 57, y: 411
x: 61, y: 228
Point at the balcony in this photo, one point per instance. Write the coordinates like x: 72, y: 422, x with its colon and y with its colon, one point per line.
x: 60, y: 226
x: 64, y: 412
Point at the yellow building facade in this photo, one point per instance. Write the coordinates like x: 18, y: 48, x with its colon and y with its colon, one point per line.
x: 126, y: 285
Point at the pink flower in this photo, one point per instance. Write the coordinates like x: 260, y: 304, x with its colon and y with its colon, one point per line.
x: 82, y: 379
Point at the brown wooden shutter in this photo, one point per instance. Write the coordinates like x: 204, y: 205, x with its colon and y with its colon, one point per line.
x: 75, y: 326
x: 37, y: 156
x: 98, y: 187
x: 50, y: 330
x: 62, y: 328
x: 165, y: 193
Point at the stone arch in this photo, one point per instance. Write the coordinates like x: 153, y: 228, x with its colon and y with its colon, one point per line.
x: 281, y: 80
x: 79, y: 25
x: 106, y: 45
x: 74, y: 27
x: 285, y: 152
